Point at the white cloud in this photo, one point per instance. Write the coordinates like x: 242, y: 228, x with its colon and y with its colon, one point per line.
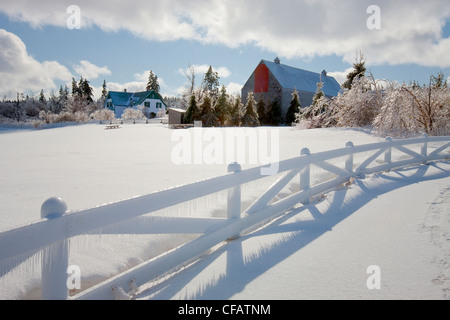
x: 200, y: 71
x: 131, y: 86
x: 340, y: 76
x: 20, y: 72
x: 90, y: 71
x: 139, y: 84
x: 410, y: 31
x: 234, y: 88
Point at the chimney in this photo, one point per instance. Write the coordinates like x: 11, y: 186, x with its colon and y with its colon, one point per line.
x: 277, y: 60
x: 124, y: 90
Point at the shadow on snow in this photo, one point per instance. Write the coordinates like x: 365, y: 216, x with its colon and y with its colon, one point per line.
x: 241, y: 269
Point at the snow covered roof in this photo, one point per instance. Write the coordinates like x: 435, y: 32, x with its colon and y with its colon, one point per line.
x: 177, y: 110
x: 302, y: 80
x: 123, y: 98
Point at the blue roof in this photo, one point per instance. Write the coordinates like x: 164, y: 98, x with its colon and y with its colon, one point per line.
x: 302, y: 80
x: 120, y: 98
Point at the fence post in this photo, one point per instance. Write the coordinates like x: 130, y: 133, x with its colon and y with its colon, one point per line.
x: 305, y: 173
x: 424, y: 148
x: 234, y: 198
x: 388, y: 153
x: 349, y: 160
x: 55, y: 258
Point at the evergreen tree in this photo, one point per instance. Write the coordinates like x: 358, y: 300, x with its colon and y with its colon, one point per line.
x: 62, y: 99
x: 262, y: 112
x: 211, y: 83
x: 294, y: 108
x: 250, y: 118
x: 319, y: 93
x: 75, y: 88
x: 42, y: 97
x: 439, y: 81
x: 80, y: 87
x: 208, y: 116
x: 236, y: 113
x: 86, y: 90
x: 274, y: 113
x: 104, y: 91
x: 153, y: 83
x: 222, y: 107
x: 359, y: 70
x: 193, y: 112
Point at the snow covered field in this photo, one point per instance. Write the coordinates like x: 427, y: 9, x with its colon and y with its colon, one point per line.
x: 395, y: 221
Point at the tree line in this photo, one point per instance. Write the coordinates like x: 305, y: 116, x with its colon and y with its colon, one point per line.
x: 210, y: 103
x: 75, y: 105
x: 386, y: 107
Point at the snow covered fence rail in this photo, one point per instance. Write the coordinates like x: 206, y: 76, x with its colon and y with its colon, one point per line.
x: 52, y: 234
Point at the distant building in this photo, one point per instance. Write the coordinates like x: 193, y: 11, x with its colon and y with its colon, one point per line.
x: 273, y: 80
x: 176, y: 116
x: 150, y: 102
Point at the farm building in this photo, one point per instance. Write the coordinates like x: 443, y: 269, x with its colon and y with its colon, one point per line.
x: 176, y: 116
x: 273, y: 80
x: 149, y: 102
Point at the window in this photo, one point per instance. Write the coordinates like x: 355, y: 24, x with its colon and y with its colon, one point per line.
x: 147, y: 104
x: 158, y: 105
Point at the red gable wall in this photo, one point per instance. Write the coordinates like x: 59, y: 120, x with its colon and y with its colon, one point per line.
x: 261, y: 78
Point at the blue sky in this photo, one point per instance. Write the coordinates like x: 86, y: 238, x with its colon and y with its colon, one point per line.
x: 41, y: 52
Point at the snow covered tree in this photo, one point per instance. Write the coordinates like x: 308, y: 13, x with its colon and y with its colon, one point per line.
x: 439, y: 81
x: 294, y: 108
x: 359, y: 70
x: 63, y: 95
x: 193, y: 112
x: 42, y: 97
x: 409, y: 110
x: 53, y: 103
x: 250, y: 117
x: 321, y: 114
x: 153, y: 83
x: 430, y: 104
x: 31, y: 107
x: 131, y: 114
x: 222, y: 107
x: 211, y: 83
x: 395, y: 116
x: 360, y: 105
x: 208, y: 116
x: 236, y: 112
x: 103, y: 114
x: 318, y: 94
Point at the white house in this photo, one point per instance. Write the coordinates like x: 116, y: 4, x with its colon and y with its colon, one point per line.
x: 149, y: 102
